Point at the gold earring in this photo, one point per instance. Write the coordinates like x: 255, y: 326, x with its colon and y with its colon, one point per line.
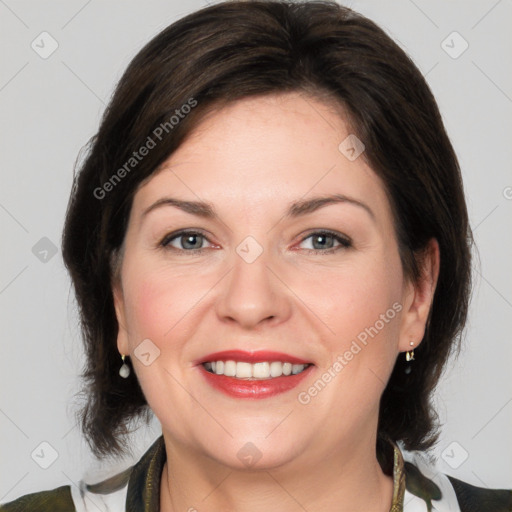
x: 409, y: 355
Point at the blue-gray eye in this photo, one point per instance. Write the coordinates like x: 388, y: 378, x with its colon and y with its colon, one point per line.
x: 188, y: 240
x: 192, y: 241
x: 324, y: 241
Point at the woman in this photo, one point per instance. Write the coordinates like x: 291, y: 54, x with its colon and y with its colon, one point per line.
x: 270, y: 249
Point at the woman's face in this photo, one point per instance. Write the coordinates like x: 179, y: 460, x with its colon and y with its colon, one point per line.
x: 257, y: 272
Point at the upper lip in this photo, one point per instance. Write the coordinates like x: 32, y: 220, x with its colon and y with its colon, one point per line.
x: 257, y: 356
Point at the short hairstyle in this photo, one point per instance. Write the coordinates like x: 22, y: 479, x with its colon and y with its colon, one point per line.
x: 239, y: 49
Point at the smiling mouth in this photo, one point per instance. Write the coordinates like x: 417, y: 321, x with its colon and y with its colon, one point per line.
x: 258, y: 371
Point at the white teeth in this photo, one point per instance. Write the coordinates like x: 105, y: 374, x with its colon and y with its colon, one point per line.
x: 276, y: 369
x: 261, y: 370
x: 229, y: 369
x: 297, y: 368
x: 243, y: 370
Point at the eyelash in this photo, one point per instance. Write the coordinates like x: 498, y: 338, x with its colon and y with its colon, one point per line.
x: 344, y: 241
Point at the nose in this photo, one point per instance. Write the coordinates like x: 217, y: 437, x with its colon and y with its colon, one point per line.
x: 253, y: 294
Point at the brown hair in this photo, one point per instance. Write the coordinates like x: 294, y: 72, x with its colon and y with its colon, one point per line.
x: 233, y: 50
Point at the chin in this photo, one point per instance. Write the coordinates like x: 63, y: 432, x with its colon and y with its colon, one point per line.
x: 256, y: 452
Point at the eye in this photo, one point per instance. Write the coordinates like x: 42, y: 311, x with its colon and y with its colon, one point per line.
x: 185, y: 241
x: 192, y: 241
x: 324, y: 241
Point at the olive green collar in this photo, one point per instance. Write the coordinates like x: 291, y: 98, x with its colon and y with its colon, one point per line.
x: 397, y: 504
x: 143, y: 493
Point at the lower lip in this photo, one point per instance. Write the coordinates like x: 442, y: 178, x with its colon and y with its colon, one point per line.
x: 254, y: 389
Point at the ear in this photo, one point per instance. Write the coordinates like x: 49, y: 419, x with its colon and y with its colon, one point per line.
x: 122, y: 334
x: 418, y: 297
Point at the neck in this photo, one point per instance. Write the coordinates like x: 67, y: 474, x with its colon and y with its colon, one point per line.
x: 348, y: 480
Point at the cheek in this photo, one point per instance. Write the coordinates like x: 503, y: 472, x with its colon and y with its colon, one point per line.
x: 163, y: 303
x: 354, y: 298
x: 362, y: 309
x: 155, y: 305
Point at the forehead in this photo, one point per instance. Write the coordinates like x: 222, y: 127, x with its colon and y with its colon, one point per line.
x: 261, y: 151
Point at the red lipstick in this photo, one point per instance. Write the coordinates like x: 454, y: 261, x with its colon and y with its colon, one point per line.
x: 253, y: 388
x: 259, y: 356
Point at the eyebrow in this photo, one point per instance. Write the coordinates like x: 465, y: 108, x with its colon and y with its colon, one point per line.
x: 295, y: 209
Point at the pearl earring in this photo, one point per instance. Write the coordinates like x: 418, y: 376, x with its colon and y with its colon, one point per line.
x: 124, y: 371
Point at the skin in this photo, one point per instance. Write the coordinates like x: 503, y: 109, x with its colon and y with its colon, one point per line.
x: 250, y: 160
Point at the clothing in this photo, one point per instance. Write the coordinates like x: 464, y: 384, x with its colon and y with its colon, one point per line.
x: 417, y: 488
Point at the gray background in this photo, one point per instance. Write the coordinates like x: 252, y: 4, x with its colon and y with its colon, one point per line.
x: 50, y: 107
